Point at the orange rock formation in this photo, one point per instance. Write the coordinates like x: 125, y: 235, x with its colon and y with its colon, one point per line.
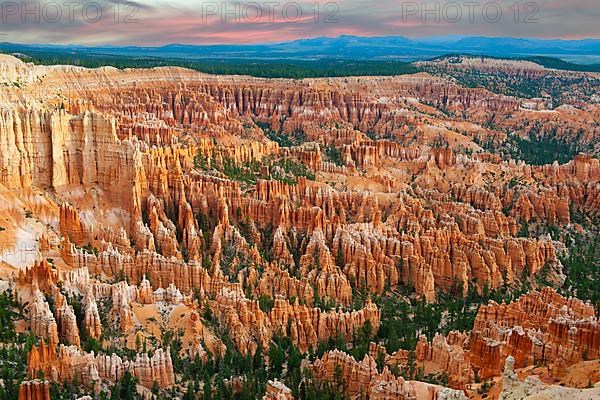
x: 159, y: 189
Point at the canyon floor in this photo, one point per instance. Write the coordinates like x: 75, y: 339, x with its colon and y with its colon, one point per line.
x: 170, y: 234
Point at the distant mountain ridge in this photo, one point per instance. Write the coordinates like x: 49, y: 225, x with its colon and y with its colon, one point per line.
x: 350, y: 47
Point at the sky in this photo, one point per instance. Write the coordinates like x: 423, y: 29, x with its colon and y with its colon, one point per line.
x: 159, y: 22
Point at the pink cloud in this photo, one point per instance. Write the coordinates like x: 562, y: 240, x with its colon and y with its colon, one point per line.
x: 175, y: 22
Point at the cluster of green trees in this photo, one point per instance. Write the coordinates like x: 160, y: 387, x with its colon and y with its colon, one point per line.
x: 13, y: 347
x: 404, y: 317
x: 581, y: 266
x: 210, y: 379
x: 265, y: 68
x: 200, y: 161
x: 559, y: 87
x: 250, y: 172
x: 334, y: 155
x: 542, y: 150
x: 284, y: 139
x: 557, y: 63
x: 293, y: 169
x: 535, y: 149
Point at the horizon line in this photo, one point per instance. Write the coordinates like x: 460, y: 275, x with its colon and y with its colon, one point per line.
x: 414, y: 38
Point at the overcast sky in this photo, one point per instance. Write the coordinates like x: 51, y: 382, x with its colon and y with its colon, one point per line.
x: 157, y: 22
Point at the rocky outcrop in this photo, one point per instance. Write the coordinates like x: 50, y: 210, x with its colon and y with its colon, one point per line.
x: 42, y: 320
x: 445, y: 354
x: 532, y: 387
x: 158, y: 368
x: 80, y: 150
x: 161, y: 191
x: 121, y: 313
x: 443, y: 157
x: 539, y: 328
x: 144, y: 293
x: 307, y: 327
x: 71, y: 226
x: 275, y: 282
x: 319, y: 266
x: 69, y: 362
x: 65, y: 317
x: 362, y: 378
x: 34, y: 390
x: 15, y: 72
x: 277, y: 390
x: 92, y: 323
x: 248, y: 324
x: 41, y: 275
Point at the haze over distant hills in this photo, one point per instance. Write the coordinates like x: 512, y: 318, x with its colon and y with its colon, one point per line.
x: 353, y: 47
